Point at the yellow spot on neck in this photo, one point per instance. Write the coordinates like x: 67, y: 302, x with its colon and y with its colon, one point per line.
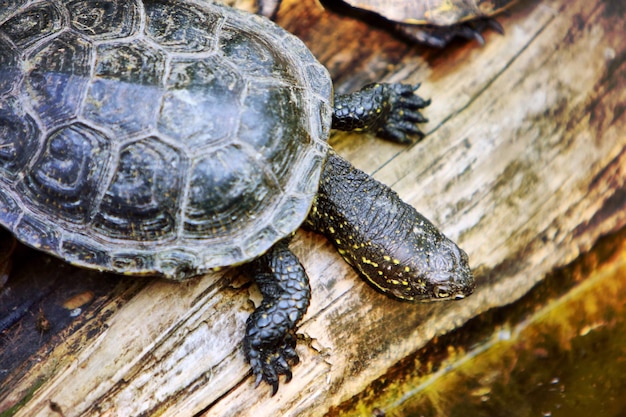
x: 369, y: 262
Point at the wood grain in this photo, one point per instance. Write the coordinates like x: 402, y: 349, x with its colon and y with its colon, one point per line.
x: 524, y: 165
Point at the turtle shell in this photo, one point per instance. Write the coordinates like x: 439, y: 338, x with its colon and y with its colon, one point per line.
x: 432, y: 12
x: 156, y: 137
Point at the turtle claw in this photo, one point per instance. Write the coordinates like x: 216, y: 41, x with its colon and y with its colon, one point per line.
x: 478, y: 37
x: 441, y: 36
x: 474, y: 29
x: 288, y: 376
x: 404, y: 114
x: 389, y: 110
x: 258, y: 380
x: 495, y: 26
x: 268, y: 366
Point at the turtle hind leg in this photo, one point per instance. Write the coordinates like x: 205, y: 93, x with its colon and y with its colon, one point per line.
x: 441, y: 36
x: 392, y: 111
x: 270, y: 340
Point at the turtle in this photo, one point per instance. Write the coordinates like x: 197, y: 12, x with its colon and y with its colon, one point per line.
x: 431, y: 22
x: 150, y: 137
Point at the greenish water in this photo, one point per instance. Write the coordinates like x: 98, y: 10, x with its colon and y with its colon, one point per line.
x: 559, y: 351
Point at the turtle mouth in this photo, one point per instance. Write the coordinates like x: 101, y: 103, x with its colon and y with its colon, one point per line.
x: 441, y: 292
x: 446, y: 292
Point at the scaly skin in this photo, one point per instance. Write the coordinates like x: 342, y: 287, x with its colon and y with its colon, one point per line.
x: 270, y: 340
x: 387, y: 241
x: 392, y: 111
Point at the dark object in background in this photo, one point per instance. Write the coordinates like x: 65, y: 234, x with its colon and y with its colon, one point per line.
x: 434, y: 23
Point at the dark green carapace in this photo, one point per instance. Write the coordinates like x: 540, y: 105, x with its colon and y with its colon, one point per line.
x: 149, y: 137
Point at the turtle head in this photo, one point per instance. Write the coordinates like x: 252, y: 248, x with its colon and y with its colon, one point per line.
x: 390, y: 244
x: 435, y: 267
x: 420, y: 264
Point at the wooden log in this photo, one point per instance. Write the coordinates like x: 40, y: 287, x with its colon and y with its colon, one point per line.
x: 523, y: 165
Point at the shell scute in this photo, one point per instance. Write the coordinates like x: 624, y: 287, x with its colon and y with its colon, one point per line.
x: 10, y: 210
x: 33, y: 24
x: 100, y: 20
x: 177, y: 263
x: 78, y: 252
x: 142, y: 200
x: 255, y: 56
x: 227, y: 190
x: 38, y: 234
x: 57, y: 79
x: 271, y: 113
x: 65, y: 177
x: 132, y: 262
x: 126, y: 78
x: 19, y: 138
x: 202, y: 102
x: 180, y: 27
x: 9, y: 67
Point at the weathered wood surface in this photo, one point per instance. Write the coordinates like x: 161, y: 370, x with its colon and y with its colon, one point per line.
x: 524, y: 165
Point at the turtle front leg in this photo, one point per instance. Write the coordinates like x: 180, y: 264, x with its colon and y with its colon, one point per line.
x: 392, y: 111
x: 270, y: 339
